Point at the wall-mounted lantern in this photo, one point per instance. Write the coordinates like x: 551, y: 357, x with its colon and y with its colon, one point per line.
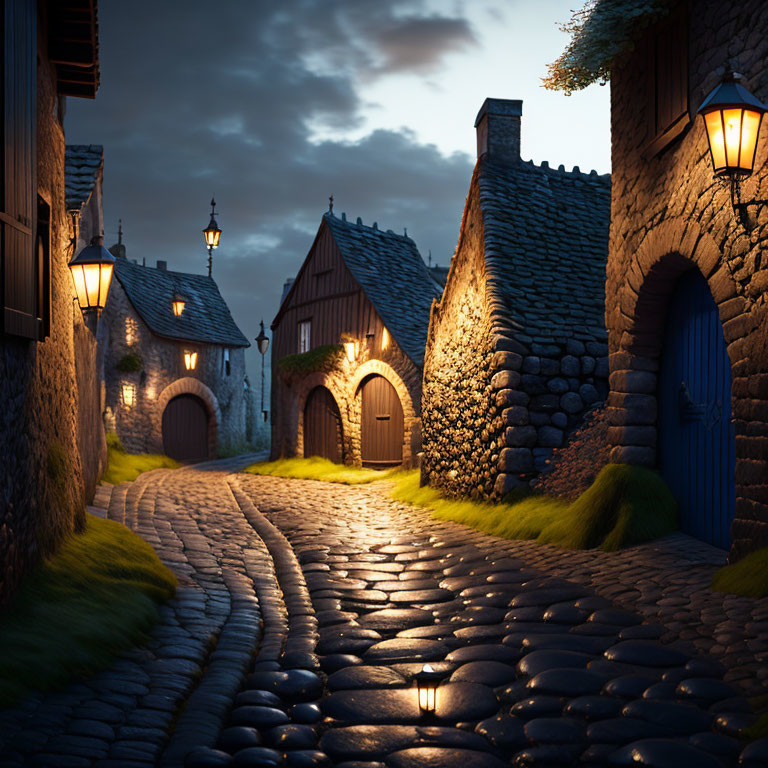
x: 91, y: 272
x: 732, y: 117
x: 384, y: 339
x: 178, y: 304
x: 351, y: 349
x: 190, y: 360
x: 427, y: 682
x: 129, y: 394
x: 211, y: 234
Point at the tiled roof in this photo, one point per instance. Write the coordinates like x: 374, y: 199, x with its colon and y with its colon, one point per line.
x: 205, y: 318
x: 546, y: 246
x: 82, y: 163
x: 394, y: 277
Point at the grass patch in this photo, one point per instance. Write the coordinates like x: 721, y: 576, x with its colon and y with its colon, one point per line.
x: 625, y: 505
x: 748, y: 577
x: 123, y: 467
x: 317, y: 468
x: 75, y: 611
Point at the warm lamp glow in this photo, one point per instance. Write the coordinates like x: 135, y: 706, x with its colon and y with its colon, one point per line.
x: 732, y: 117
x: 212, y: 233
x: 190, y: 360
x: 351, y: 348
x: 384, y: 339
x: 178, y: 307
x: 91, y: 272
x: 427, y: 682
x: 129, y: 394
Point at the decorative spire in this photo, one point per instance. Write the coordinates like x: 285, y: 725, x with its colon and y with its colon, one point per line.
x: 119, y: 231
x: 430, y: 257
x: 405, y: 229
x: 330, y: 205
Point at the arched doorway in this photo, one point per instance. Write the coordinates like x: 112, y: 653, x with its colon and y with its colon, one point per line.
x: 381, y: 424
x: 322, y: 426
x: 185, y: 429
x: 696, y: 436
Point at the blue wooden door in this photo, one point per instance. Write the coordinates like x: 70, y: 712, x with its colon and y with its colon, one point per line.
x: 696, y: 438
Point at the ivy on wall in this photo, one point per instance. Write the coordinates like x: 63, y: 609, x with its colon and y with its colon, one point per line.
x: 322, y: 358
x: 130, y: 362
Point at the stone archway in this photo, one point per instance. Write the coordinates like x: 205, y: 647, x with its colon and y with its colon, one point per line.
x: 411, y: 422
x: 187, y: 386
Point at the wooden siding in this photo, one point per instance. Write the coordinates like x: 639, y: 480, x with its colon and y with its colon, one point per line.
x: 325, y: 293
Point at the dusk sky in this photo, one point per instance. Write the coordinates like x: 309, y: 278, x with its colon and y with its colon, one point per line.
x: 273, y: 106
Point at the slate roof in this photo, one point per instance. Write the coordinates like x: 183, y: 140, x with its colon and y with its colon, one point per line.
x: 82, y: 163
x: 206, y: 317
x: 546, y: 247
x: 394, y: 277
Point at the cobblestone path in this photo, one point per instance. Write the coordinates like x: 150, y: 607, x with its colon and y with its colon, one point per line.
x: 305, y: 610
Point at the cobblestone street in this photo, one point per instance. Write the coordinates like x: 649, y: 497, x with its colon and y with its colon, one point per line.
x: 305, y: 609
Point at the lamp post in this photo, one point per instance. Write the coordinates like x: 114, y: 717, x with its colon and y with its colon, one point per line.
x: 91, y: 272
x: 262, y: 341
x: 732, y: 117
x: 212, y: 233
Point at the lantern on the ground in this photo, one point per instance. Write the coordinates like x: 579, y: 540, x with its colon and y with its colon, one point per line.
x: 91, y: 272
x: 732, y: 117
x: 129, y: 394
x: 427, y: 682
x: 178, y: 304
x: 190, y: 360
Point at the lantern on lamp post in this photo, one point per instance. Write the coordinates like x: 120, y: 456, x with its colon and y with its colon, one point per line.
x: 91, y: 272
x: 262, y: 341
x: 427, y: 682
x: 211, y: 234
x: 732, y: 118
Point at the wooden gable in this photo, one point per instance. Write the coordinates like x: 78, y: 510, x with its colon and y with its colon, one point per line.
x: 327, y: 295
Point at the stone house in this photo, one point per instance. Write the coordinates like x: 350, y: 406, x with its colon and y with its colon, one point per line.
x: 348, y: 348
x: 173, y: 362
x: 49, y: 401
x: 517, y: 348
x: 687, y: 278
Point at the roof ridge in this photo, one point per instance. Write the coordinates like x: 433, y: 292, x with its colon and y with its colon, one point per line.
x: 359, y: 223
x: 575, y: 171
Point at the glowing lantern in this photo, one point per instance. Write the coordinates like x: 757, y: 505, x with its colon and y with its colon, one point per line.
x: 91, y: 273
x: 351, y: 349
x: 427, y: 682
x: 732, y: 117
x: 178, y: 305
x: 129, y: 395
x: 190, y: 360
x: 212, y: 233
x: 384, y: 339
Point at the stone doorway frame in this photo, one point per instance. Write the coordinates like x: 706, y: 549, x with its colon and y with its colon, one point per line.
x: 187, y: 386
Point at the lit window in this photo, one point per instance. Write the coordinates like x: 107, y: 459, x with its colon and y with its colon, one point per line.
x: 226, y: 368
x: 131, y: 331
x: 190, y: 360
x: 129, y: 394
x: 305, y: 327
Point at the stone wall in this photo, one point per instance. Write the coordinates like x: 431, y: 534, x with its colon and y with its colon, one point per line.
x: 669, y: 214
x: 139, y: 426
x: 289, y: 396
x: 42, y: 489
x: 495, y: 408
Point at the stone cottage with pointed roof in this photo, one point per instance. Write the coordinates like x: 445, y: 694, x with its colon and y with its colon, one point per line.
x: 517, y: 347
x: 173, y: 362
x: 348, y: 349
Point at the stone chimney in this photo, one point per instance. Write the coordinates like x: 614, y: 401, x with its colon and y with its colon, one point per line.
x: 498, y: 129
x: 162, y: 265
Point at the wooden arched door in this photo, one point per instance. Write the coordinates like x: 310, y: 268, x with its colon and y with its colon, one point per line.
x: 322, y: 426
x: 696, y: 438
x: 185, y: 429
x: 381, y: 424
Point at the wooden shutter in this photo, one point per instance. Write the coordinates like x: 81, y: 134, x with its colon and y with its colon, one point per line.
x: 668, y: 81
x: 18, y: 208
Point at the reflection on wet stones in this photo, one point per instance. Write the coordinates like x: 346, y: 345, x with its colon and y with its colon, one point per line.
x: 440, y: 757
x: 365, y: 677
x: 663, y: 753
x: 404, y: 649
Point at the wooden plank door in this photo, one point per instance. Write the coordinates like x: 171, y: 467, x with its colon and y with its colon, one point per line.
x: 381, y: 424
x: 696, y: 436
x: 185, y: 429
x: 322, y: 426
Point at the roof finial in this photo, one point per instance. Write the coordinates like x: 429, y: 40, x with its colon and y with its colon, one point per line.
x: 119, y: 231
x: 330, y: 205
x: 430, y: 257
x: 405, y: 229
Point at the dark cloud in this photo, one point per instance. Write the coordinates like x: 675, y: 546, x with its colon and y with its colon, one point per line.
x: 199, y: 99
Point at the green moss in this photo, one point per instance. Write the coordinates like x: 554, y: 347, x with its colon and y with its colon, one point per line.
x: 317, y: 468
x: 130, y: 363
x: 749, y: 576
x: 123, y: 467
x: 77, y: 610
x: 624, y: 506
x: 318, y: 359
